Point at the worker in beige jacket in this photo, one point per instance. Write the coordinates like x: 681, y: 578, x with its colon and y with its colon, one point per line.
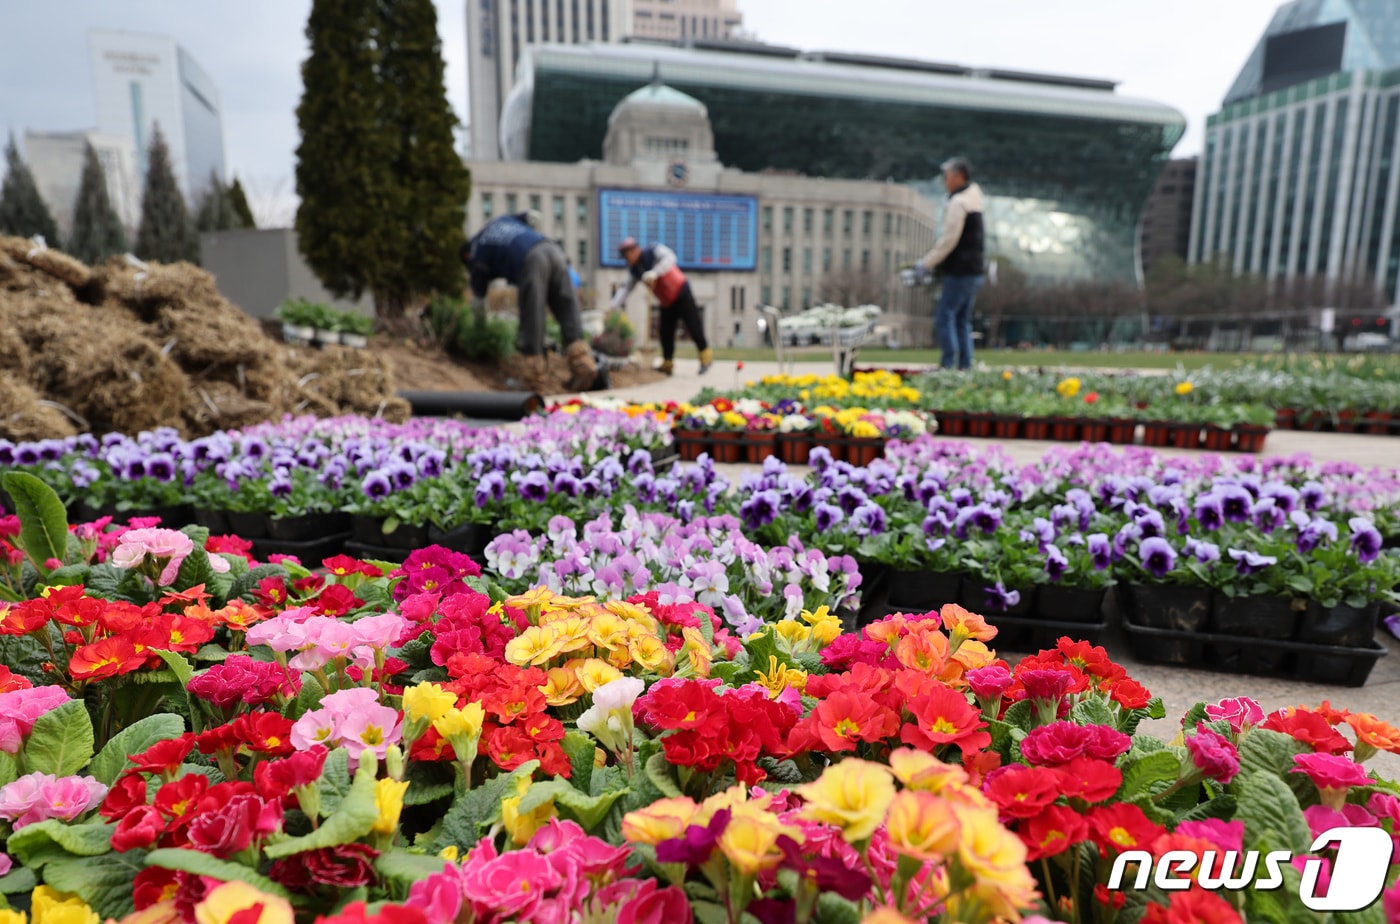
x: 959, y: 257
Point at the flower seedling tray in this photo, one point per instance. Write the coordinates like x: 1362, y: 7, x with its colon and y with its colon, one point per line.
x: 309, y: 552
x: 1303, y: 661
x: 366, y: 552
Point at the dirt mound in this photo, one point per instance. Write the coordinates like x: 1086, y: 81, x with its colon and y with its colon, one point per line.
x: 129, y: 346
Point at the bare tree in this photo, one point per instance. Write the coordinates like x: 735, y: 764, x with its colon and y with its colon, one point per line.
x: 852, y: 287
x: 272, y: 201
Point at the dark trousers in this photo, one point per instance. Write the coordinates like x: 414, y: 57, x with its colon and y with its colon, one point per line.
x: 544, y: 282
x: 684, y: 310
x: 953, y: 320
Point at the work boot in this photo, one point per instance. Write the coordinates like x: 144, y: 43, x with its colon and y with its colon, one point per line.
x: 586, y: 376
x: 707, y: 359
x: 667, y: 367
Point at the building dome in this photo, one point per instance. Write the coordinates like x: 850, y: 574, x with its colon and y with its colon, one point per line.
x: 657, y: 122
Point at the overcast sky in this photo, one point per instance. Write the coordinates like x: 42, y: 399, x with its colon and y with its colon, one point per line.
x: 1183, y: 53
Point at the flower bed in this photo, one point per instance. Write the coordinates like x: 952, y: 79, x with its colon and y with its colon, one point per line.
x: 181, y: 743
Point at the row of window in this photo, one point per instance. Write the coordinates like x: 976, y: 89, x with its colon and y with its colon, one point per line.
x: 536, y: 202
x: 765, y: 260
x: 893, y: 221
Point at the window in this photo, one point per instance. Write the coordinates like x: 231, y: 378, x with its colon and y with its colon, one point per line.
x: 787, y: 298
x: 787, y: 259
x: 488, y: 206
x: 848, y: 221
x: 655, y: 145
x: 826, y: 220
x: 765, y: 295
x: 867, y: 222
x: 806, y: 221
x: 899, y: 224
x: 826, y: 259
x: 887, y: 261
x: 582, y: 255
x: 889, y: 223
x: 865, y: 260
x: 768, y: 218
x: 558, y: 208
x: 535, y: 203
x: 510, y: 204
x: 807, y: 260
x: 765, y: 257
x: 787, y: 220
x: 806, y: 299
x: 582, y: 210
x: 846, y: 257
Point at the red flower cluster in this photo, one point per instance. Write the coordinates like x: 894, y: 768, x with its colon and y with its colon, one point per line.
x: 465, y: 627
x: 434, y: 570
x: 241, y: 680
x: 1090, y: 669
x: 1313, y: 727
x: 220, y: 819
x: 708, y: 728
x: 9, y: 682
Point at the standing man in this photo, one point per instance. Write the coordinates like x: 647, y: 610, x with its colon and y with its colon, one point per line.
x: 656, y: 268
x: 510, y: 248
x: 960, y: 258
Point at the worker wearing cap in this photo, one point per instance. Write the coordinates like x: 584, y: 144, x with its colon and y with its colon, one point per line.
x: 510, y: 248
x: 959, y: 257
x: 656, y: 268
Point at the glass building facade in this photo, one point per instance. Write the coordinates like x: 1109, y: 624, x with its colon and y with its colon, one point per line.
x: 1298, y: 178
x: 1066, y: 163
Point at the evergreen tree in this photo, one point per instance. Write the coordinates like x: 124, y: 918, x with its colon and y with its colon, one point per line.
x: 22, y: 209
x: 166, y: 233
x: 216, y: 211
x: 430, y: 182
x: 239, y: 201
x: 343, y: 162
x: 97, y: 230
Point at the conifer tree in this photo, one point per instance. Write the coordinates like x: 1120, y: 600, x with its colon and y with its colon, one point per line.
x: 430, y: 182
x: 22, y: 210
x: 343, y: 160
x: 166, y: 232
x: 97, y: 230
x: 239, y: 200
x: 216, y: 211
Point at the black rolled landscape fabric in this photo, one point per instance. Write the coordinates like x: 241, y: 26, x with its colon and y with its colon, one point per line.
x: 481, y: 405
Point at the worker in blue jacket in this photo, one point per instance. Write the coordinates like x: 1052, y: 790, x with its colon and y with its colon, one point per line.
x: 510, y: 248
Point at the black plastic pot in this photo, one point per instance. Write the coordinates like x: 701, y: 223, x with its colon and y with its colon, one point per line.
x: 1179, y: 607
x: 973, y: 596
x: 307, y: 526
x: 170, y: 517
x: 1349, y: 626
x: 1263, y: 616
x: 469, y: 538
x: 248, y: 525
x: 1069, y: 604
x: 216, y: 521
x: 922, y: 590
x: 406, y: 536
x: 1308, y: 662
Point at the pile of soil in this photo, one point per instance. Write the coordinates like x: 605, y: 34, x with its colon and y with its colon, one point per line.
x: 130, y: 346
x: 420, y: 367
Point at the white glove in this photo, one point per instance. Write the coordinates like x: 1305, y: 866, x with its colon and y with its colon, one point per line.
x: 620, y: 298
x: 649, y: 277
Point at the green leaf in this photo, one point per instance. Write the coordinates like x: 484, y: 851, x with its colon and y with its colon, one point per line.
x: 1222, y: 807
x: 335, y: 781
x: 1092, y: 711
x: 1264, y: 751
x: 135, y: 738
x: 1268, y: 808
x: 8, y: 771
x: 178, y: 664
x: 709, y: 913
x: 29, y: 844
x: 308, y: 698
x: 1020, y: 715
x: 402, y: 868
x: 479, y: 808
x: 104, y: 882
x: 18, y: 881
x: 25, y: 654
x: 68, y: 576
x: 245, y: 583
x: 211, y: 653
x: 203, y: 864
x: 357, y: 813
x: 1143, y: 774
x: 581, y: 751
x: 61, y: 742
x: 195, y: 569
x: 833, y: 909
x: 43, y: 529
x: 587, y: 810
x: 659, y: 772
x: 428, y: 782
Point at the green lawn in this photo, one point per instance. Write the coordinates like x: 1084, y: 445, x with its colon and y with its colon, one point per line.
x: 1051, y: 358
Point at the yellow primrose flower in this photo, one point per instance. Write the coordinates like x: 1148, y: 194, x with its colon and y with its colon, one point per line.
x: 864, y: 430
x: 593, y: 673
x: 1184, y: 388
x: 997, y: 860
x: 750, y: 842
x: 1006, y: 375
x: 922, y: 825
x: 522, y: 827
x: 779, y: 677
x: 695, y: 655
x: 652, y: 654
x: 922, y: 771
x: 462, y: 724
x: 608, y: 631
x: 50, y: 906
x: 561, y: 687
x: 535, y: 596
x: 388, y: 798
x: 574, y: 632
x: 449, y: 853
x: 229, y: 898
x: 1068, y: 388
x: 663, y: 820
x: 536, y: 646
x: 8, y: 916
x: 853, y: 795
x: 792, y: 632
x: 427, y: 701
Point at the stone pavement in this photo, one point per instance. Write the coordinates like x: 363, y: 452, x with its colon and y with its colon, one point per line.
x: 1179, y: 687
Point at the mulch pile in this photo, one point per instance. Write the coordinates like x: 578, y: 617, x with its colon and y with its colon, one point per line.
x: 129, y: 346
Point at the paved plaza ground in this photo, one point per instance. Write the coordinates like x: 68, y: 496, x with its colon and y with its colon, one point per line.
x: 1179, y: 688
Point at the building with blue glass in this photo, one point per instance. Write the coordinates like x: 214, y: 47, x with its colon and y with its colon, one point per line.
x: 1067, y: 163
x: 1298, y: 179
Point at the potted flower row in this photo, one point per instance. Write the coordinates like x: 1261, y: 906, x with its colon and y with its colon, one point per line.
x: 750, y: 431
x: 306, y: 322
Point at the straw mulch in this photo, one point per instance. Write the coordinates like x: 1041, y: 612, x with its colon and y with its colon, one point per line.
x: 130, y: 346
